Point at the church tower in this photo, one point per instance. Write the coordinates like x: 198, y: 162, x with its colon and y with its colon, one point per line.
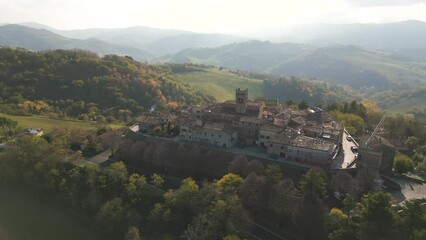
x: 241, y: 98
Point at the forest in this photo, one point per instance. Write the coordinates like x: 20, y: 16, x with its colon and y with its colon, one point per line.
x: 122, y: 201
x: 80, y: 84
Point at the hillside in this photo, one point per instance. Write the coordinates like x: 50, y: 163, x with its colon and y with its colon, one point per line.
x: 221, y: 84
x: 83, y: 85
x: 158, y: 41
x: 40, y: 39
x: 253, y: 56
x: 355, y: 66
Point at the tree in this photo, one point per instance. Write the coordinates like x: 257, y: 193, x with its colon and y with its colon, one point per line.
x: 283, y: 198
x: 116, y: 176
x: 412, y: 218
x: 353, y: 123
x: 132, y: 234
x: 273, y: 174
x: 314, y: 181
x: 378, y: 216
x: 403, y: 163
x: 157, y: 180
x: 256, y: 167
x: 341, y: 226
x: 412, y: 142
x: 229, y: 184
x: 238, y: 165
x: 135, y: 188
x: 343, y: 182
x: 310, y: 217
x: 252, y: 192
x: 110, y: 218
x: 10, y: 124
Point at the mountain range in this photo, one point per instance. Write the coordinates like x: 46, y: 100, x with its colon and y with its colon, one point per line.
x: 383, y: 61
x: 391, y: 36
x: 40, y: 39
x: 154, y: 40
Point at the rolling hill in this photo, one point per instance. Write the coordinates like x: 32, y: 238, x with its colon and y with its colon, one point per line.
x: 390, y: 36
x: 158, y: 41
x: 357, y: 67
x: 351, y: 65
x: 40, y: 39
x: 253, y: 56
x: 221, y: 84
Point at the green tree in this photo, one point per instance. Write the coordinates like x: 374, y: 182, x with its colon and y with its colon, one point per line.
x: 378, y: 216
x: 132, y: 234
x: 157, y: 180
x: 110, y: 218
x: 273, y: 174
x: 403, y: 163
x: 314, y: 181
x: 412, y: 142
x: 341, y: 226
x: 412, y: 218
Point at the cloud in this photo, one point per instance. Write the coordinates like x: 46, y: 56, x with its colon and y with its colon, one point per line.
x: 377, y: 3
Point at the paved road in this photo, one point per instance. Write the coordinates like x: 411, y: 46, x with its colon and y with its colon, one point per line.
x: 345, y: 156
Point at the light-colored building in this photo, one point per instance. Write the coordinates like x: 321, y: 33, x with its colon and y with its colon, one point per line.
x: 295, y: 147
x: 215, y: 134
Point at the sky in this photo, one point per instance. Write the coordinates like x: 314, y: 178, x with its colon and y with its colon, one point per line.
x: 226, y: 16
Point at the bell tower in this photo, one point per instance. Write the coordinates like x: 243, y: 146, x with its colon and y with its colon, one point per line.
x: 241, y: 98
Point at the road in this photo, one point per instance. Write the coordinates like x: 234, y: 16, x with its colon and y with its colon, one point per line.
x: 345, y: 156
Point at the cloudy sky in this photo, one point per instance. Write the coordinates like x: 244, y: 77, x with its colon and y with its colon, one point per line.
x: 207, y: 15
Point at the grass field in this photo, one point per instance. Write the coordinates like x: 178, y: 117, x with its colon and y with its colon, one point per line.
x: 47, y: 124
x: 24, y: 217
x: 221, y: 84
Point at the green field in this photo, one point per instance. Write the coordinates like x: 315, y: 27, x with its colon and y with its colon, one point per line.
x: 221, y: 84
x: 24, y: 217
x: 47, y: 124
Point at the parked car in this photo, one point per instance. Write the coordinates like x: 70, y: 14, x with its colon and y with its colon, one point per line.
x: 349, y: 138
x: 354, y: 149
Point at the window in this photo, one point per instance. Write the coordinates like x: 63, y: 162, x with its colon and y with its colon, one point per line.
x: 261, y: 136
x: 189, y: 137
x: 212, y: 135
x: 189, y: 131
x: 220, y: 136
x: 183, y: 130
x: 271, y: 145
x: 282, y: 147
x: 267, y: 137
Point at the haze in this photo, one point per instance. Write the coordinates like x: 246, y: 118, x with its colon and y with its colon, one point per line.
x: 237, y: 16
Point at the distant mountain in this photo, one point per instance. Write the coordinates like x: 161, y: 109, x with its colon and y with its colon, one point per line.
x: 159, y: 41
x: 355, y: 66
x: 40, y: 39
x: 390, y: 36
x: 253, y: 56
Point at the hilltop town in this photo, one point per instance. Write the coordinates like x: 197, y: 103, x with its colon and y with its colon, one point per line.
x: 261, y: 127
